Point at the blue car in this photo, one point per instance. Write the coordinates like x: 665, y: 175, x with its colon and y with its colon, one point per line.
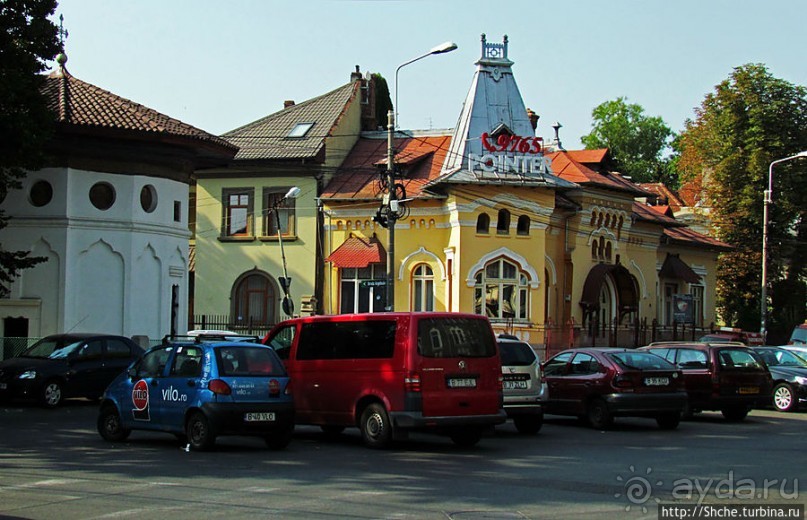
x: 198, y: 390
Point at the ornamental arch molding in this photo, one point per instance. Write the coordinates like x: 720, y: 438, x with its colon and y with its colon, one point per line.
x: 535, y: 281
x: 421, y: 251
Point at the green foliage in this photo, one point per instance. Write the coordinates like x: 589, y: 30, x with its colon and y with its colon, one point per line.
x: 636, y: 142
x: 383, y: 102
x: 750, y: 120
x: 28, y: 39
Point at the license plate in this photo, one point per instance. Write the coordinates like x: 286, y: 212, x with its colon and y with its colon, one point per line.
x: 462, y: 383
x: 514, y: 385
x: 749, y: 389
x: 259, y: 416
x: 656, y: 381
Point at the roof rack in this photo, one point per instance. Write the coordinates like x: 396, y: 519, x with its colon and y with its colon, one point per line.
x: 204, y: 338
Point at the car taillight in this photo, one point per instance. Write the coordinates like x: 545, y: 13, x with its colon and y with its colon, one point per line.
x: 287, y: 391
x: 217, y: 386
x: 412, y: 383
x: 500, y: 383
x: 622, y: 381
x: 274, y: 387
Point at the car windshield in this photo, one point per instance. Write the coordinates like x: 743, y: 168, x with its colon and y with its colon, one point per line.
x: 516, y: 354
x: 52, y: 348
x: 640, y: 361
x: 783, y: 358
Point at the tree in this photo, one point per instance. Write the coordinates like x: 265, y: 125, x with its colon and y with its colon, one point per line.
x: 750, y: 120
x: 27, y: 41
x: 636, y: 142
x: 383, y: 103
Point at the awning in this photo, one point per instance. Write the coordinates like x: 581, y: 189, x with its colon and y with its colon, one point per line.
x: 677, y: 269
x: 358, y: 252
x: 627, y: 297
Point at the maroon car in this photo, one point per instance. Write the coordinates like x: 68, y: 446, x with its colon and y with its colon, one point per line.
x: 600, y: 384
x: 719, y: 376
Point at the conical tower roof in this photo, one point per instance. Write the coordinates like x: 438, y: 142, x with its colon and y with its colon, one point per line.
x: 494, y: 140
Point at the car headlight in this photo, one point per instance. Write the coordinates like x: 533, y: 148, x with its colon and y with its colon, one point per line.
x: 28, y: 374
x: 801, y: 380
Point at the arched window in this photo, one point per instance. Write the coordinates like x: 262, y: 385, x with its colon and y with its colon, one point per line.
x: 608, y: 250
x: 502, y: 291
x: 254, y: 299
x: 483, y: 223
x: 523, y: 225
x: 422, y: 288
x: 503, y: 225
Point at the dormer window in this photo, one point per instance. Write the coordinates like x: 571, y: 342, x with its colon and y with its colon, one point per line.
x: 300, y: 130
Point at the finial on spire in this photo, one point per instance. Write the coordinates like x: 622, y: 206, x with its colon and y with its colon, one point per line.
x: 61, y: 58
x: 557, y: 126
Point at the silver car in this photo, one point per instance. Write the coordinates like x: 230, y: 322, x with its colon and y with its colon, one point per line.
x: 521, y: 379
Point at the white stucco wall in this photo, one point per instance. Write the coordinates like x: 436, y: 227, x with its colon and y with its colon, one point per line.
x: 109, y: 271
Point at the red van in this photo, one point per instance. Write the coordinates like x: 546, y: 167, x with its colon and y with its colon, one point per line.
x: 391, y: 373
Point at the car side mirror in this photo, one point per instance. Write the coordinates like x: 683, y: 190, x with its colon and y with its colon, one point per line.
x: 132, y: 372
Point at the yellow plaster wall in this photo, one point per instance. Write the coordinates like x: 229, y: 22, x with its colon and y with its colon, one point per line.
x: 219, y: 264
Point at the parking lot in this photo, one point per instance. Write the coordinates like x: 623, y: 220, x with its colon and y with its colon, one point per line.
x: 53, y: 464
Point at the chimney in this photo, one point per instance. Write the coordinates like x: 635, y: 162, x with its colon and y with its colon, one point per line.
x: 356, y: 76
x: 288, y: 103
x: 533, y: 118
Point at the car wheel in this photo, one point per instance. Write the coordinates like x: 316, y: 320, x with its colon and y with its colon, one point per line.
x: 735, y: 414
x: 279, y: 439
x: 52, y: 394
x: 466, y: 438
x: 331, y: 430
x: 110, y: 426
x: 599, y: 417
x: 528, y: 424
x: 669, y: 421
x: 200, y: 437
x: 376, y: 430
x: 783, y: 399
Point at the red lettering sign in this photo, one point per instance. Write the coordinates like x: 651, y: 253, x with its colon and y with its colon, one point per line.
x: 511, y: 143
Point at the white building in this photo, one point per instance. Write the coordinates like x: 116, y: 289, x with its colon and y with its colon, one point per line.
x: 110, y: 214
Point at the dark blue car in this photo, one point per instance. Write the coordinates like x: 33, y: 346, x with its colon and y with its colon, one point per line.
x: 199, y: 389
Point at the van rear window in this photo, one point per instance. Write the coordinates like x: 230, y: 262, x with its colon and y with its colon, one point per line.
x: 455, y: 337
x: 371, y: 339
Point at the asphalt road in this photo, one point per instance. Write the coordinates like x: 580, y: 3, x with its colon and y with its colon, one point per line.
x: 53, y: 464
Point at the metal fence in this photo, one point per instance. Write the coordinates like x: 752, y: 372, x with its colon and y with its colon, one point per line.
x: 249, y: 327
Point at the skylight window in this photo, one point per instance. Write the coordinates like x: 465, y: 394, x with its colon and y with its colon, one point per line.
x: 300, y: 129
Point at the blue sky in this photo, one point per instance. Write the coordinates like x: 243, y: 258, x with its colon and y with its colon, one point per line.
x: 221, y: 64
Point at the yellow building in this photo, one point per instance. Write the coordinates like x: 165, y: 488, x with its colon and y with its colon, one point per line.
x: 489, y: 218
x: 252, y: 230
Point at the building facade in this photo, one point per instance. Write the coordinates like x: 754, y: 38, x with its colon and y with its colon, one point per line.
x: 109, y: 212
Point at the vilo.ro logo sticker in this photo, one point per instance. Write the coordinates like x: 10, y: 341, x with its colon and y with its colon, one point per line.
x: 140, y: 395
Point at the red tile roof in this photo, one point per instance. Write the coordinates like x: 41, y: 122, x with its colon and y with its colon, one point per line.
x: 646, y: 213
x: 419, y: 158
x: 688, y: 237
x: 665, y: 194
x: 358, y: 252
x: 587, y: 168
x: 81, y: 105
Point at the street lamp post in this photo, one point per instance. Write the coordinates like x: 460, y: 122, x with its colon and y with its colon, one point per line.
x: 285, y: 281
x: 391, y: 201
x: 768, y: 198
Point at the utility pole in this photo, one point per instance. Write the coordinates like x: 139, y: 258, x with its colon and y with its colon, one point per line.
x: 392, y: 212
